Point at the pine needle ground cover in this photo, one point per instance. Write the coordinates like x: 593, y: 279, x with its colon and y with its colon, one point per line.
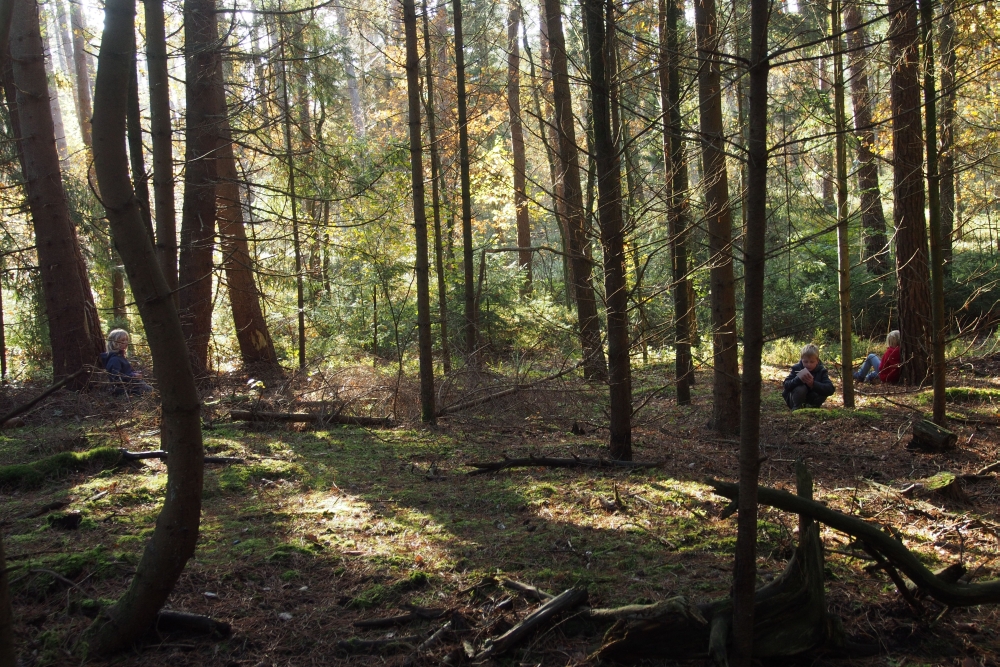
x: 321, y: 528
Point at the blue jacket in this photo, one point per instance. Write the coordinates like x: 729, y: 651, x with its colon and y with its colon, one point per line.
x: 117, y: 366
x: 821, y: 381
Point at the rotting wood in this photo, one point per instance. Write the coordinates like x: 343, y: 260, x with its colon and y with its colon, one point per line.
x: 929, y: 437
x: 162, y: 455
x: 553, y: 462
x: 305, y: 418
x: 181, y: 621
x: 952, y: 594
x: 565, y: 601
x: 944, y: 484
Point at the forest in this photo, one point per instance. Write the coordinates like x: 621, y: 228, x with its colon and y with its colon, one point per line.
x: 519, y: 333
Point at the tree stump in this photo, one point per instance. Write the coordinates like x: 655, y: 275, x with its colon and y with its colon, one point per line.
x: 929, y: 437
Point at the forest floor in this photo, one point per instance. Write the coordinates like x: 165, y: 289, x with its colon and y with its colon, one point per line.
x: 323, y: 527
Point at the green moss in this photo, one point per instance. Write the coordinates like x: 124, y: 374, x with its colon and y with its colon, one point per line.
x: 237, y: 479
x: 31, y: 475
x: 972, y: 395
x: 285, y: 553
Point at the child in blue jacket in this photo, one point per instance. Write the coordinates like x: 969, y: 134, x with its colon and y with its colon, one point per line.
x: 125, y: 380
x: 808, y: 384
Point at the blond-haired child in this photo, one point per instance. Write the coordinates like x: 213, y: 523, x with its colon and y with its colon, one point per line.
x: 808, y: 384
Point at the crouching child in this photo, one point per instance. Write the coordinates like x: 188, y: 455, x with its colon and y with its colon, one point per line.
x: 124, y: 380
x: 808, y: 384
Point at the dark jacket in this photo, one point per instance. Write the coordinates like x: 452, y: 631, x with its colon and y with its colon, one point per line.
x: 117, y: 366
x: 822, y: 386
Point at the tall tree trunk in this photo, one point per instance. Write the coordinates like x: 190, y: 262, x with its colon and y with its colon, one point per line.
x: 436, y: 196
x: 293, y: 197
x: 946, y: 160
x: 938, y: 332
x: 600, y: 30
x: 161, y: 132
x: 594, y: 365
x: 50, y: 40
x: 140, y: 178
x: 74, y: 326
x: 912, y: 291
x: 424, y: 342
x: 843, y: 247
x: 252, y: 333
x: 745, y: 567
x: 875, y: 245
x: 84, y: 107
x: 8, y: 657
x: 524, y: 254
x: 726, y: 384
x: 176, y: 533
x: 357, y: 112
x: 471, y: 316
x: 65, y: 39
x: 200, y: 176
x: 675, y: 174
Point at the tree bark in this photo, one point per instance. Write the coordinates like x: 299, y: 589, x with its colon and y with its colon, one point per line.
x: 252, y: 333
x: 176, y: 532
x: 913, y: 292
x: 726, y: 382
x: 524, y: 255
x: 874, y: 247
x: 49, y: 39
x: 161, y: 133
x: 745, y: 567
x: 8, y: 657
x: 469, y: 274
x: 200, y: 176
x: 74, y: 326
x: 600, y: 30
x: 595, y: 366
x: 843, y: 246
x: 946, y: 159
x: 425, y: 343
x: 675, y: 174
x: 84, y: 106
x: 938, y: 333
x: 140, y: 178
x: 436, y: 197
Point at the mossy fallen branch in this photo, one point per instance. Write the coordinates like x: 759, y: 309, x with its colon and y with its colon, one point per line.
x: 31, y: 475
x: 553, y: 462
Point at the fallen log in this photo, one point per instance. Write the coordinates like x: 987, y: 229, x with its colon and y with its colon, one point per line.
x: 944, y: 484
x: 527, y: 590
x: 180, y: 621
x: 305, y: 418
x: 162, y: 455
x: 566, y: 600
x: 553, y: 462
x: 929, y: 437
x: 952, y: 594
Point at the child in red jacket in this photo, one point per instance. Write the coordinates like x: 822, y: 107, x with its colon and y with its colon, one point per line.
x: 885, y: 369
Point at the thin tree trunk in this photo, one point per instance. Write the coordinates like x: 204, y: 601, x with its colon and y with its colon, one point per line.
x: 524, y: 254
x: 471, y: 316
x: 599, y: 24
x: 913, y: 291
x: 200, y: 176
x: 3, y: 328
x: 176, y: 533
x: 745, y: 567
x: 425, y: 343
x: 938, y: 333
x: 293, y: 197
x: 357, y: 112
x: 49, y: 39
x: 726, y: 384
x: 595, y: 366
x: 140, y: 179
x: 85, y: 109
x: 946, y: 161
x: 436, y: 196
x: 252, y: 333
x: 74, y: 327
x: 843, y: 247
x: 65, y: 39
x: 119, y: 314
x: 8, y: 657
x: 675, y: 174
x: 161, y: 133
x: 874, y: 247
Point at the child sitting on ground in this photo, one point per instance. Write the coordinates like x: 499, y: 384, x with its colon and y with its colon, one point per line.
x: 885, y: 369
x: 808, y: 384
x: 125, y: 380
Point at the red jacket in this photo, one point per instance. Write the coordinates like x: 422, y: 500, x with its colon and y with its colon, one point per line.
x: 888, y: 372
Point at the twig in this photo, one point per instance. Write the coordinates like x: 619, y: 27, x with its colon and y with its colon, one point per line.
x: 527, y: 590
x: 162, y: 455
x: 563, y: 602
